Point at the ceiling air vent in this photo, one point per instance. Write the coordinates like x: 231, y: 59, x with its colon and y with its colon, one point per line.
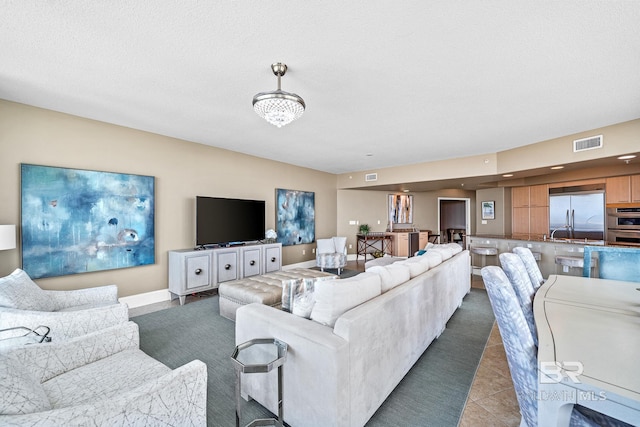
x: 589, y: 143
x: 371, y: 177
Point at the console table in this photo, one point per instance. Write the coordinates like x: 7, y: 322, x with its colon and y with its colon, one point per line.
x: 373, y: 242
x: 192, y: 271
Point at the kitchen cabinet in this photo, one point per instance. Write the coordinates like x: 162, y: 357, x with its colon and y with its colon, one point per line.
x: 623, y: 189
x: 538, y: 220
x: 635, y: 188
x: 405, y: 244
x: 539, y: 195
x: 618, y: 189
x: 520, y: 197
x: 423, y: 239
x: 530, y: 210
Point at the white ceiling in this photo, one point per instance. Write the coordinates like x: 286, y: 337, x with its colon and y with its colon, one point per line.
x: 386, y: 82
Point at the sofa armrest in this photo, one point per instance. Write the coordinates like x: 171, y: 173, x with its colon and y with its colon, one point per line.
x: 177, y: 398
x: 67, y: 324
x: 47, y: 360
x: 107, y: 294
x: 316, y: 370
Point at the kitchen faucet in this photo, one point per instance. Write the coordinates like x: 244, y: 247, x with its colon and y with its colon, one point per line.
x: 566, y: 226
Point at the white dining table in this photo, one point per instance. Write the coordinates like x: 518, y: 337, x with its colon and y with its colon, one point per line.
x: 589, y: 348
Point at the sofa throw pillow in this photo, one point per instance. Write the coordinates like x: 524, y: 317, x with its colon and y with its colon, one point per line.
x: 416, y: 267
x: 17, y: 290
x: 434, y: 258
x: 20, y: 392
x: 336, y: 297
x: 391, y: 275
x: 455, y: 248
x: 325, y: 246
x: 303, y: 304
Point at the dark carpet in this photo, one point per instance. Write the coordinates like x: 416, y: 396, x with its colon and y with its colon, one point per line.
x: 433, y: 393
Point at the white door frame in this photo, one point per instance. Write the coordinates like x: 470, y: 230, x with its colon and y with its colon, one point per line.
x: 467, y: 213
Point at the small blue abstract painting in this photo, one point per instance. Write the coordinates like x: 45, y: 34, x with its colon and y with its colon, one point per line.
x: 78, y: 221
x: 295, y: 217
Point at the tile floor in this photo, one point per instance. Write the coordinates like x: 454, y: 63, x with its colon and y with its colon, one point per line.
x: 492, y: 400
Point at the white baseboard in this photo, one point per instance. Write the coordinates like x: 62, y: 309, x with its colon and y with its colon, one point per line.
x: 147, y: 298
x: 162, y: 295
x: 304, y: 264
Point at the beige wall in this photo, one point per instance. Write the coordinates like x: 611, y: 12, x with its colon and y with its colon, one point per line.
x: 622, y: 138
x: 369, y: 207
x: 502, y: 223
x: 182, y: 170
x: 618, y: 139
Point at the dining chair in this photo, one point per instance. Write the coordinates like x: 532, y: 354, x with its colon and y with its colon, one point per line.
x: 614, y: 263
x: 516, y: 271
x: 522, y: 353
x: 529, y: 260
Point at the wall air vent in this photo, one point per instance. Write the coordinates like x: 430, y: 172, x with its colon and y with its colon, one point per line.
x: 371, y: 177
x: 589, y: 143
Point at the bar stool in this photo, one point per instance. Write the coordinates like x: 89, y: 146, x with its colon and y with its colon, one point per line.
x: 482, y: 249
x: 536, y: 249
x: 571, y: 257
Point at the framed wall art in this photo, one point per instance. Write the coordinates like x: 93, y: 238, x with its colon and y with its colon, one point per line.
x: 488, y: 210
x: 295, y: 217
x: 400, y: 208
x: 79, y: 221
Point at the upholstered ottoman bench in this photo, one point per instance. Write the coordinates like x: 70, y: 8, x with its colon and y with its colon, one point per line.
x: 266, y: 289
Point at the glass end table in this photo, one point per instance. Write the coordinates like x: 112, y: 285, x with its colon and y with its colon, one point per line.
x: 260, y: 355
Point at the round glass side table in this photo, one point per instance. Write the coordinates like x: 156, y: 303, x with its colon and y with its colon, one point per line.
x: 259, y: 355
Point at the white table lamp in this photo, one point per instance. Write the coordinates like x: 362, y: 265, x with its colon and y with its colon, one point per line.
x: 7, y: 237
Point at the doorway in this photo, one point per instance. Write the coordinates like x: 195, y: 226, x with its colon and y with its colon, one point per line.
x: 454, y: 220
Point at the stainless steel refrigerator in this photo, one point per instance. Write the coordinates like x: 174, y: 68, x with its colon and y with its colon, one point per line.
x: 577, y: 216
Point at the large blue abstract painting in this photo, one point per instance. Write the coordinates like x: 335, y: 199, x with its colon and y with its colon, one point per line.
x: 78, y: 221
x: 295, y: 217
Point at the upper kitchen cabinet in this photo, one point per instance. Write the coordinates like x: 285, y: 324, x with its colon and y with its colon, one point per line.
x: 535, y: 195
x: 520, y: 197
x: 623, y: 189
x: 530, y: 210
x: 635, y: 188
x: 539, y: 195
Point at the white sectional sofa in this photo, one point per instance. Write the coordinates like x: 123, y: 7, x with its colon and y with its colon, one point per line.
x: 364, y: 335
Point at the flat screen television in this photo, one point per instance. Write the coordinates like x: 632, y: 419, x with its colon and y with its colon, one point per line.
x: 222, y: 221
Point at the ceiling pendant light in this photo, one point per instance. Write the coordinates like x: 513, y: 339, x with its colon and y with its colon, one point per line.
x: 278, y: 107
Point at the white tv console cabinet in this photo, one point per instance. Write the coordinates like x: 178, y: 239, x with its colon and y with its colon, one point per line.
x: 192, y: 271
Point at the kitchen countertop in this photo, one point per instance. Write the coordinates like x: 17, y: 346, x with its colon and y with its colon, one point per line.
x: 540, y: 240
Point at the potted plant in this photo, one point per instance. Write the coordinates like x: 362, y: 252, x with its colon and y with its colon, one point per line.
x: 364, y: 229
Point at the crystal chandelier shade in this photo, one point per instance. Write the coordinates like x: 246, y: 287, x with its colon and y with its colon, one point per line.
x: 278, y: 107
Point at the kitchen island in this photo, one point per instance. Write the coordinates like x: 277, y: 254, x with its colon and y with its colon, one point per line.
x: 548, y: 250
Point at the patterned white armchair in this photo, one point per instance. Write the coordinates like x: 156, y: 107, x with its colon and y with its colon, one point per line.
x: 67, y: 314
x: 99, y: 379
x: 331, y: 253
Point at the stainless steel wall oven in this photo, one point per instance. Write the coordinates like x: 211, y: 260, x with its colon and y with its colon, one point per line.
x: 623, y: 225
